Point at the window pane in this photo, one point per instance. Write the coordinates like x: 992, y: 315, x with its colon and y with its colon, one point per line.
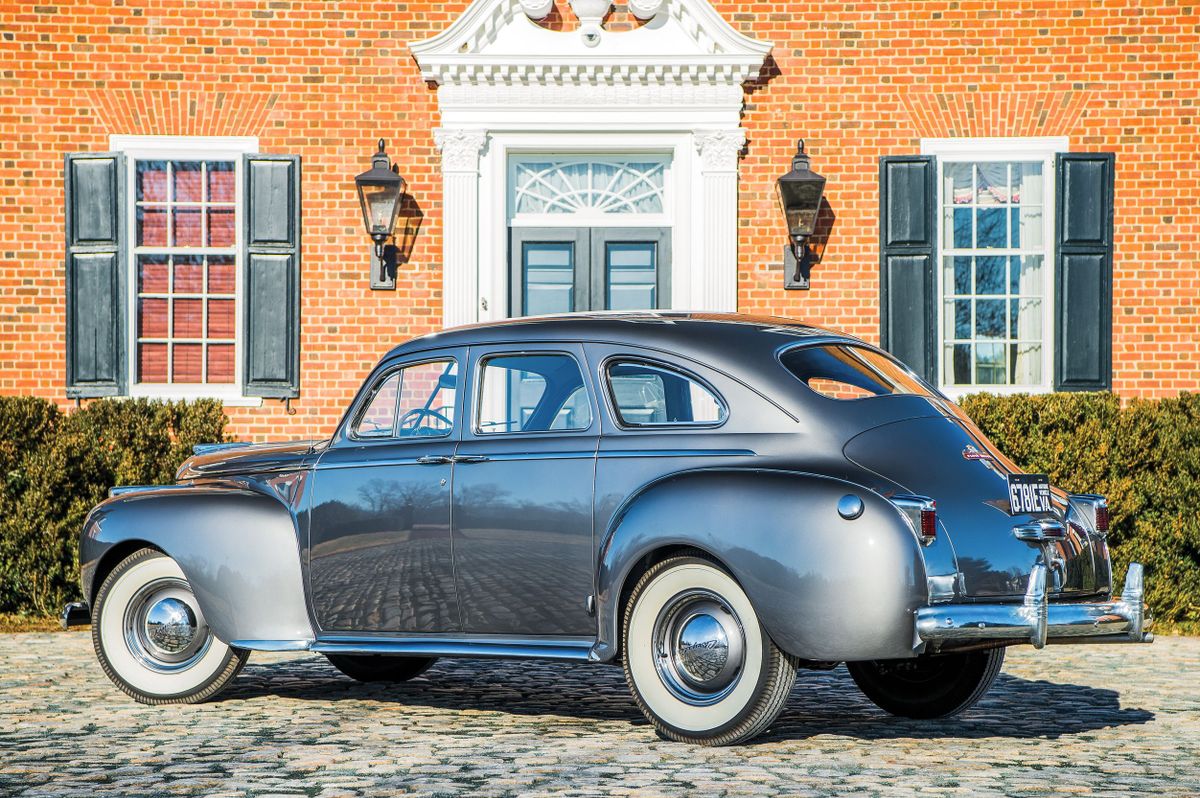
x: 152, y: 363
x: 428, y: 397
x: 957, y: 183
x: 549, y: 276
x: 1025, y: 319
x: 991, y: 181
x: 958, y: 233
x: 152, y: 318
x: 990, y: 274
x: 152, y: 227
x: 649, y: 394
x: 1025, y: 364
x: 221, y: 181
x: 1027, y: 227
x: 991, y: 232
x: 958, y: 318
x: 220, y: 318
x: 187, y: 318
x: 186, y: 230
x: 152, y: 181
x: 1026, y: 276
x: 153, y: 277
x: 956, y: 364
x: 220, y: 363
x: 379, y: 417
x: 1027, y: 183
x: 532, y: 393
x: 989, y: 318
x: 222, y: 279
x: 221, y: 230
x: 990, y: 364
x: 189, y: 274
x: 631, y: 276
x: 188, y: 181
x: 187, y: 363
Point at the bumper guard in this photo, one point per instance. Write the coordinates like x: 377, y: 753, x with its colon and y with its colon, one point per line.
x: 1039, y: 622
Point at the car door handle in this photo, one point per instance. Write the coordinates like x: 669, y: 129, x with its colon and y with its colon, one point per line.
x: 435, y: 459
x: 470, y: 458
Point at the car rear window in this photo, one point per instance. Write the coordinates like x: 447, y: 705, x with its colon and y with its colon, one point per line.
x: 841, y: 371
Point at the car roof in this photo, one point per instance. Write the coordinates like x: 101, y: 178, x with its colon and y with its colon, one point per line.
x: 698, y: 335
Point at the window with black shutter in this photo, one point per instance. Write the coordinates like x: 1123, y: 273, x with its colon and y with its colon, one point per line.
x: 183, y: 270
x: 996, y: 267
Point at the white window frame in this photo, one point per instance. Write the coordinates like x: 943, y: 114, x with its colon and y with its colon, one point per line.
x: 1026, y: 149
x: 188, y: 148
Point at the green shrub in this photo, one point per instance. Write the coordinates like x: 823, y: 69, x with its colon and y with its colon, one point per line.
x: 61, y: 464
x: 1145, y: 457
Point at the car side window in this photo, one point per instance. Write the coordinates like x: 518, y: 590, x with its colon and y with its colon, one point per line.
x: 532, y: 393
x: 416, y: 401
x: 645, y: 394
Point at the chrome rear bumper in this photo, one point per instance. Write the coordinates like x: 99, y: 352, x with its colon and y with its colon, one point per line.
x: 1038, y: 621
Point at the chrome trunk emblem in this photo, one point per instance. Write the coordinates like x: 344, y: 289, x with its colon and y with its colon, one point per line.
x: 971, y: 453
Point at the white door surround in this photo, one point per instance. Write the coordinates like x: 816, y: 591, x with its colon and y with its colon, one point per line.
x: 671, y: 87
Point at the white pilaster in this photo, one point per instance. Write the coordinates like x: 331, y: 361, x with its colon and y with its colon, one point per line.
x: 714, y: 284
x: 460, y: 149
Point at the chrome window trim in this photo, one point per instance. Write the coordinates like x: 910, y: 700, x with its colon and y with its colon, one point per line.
x: 364, y: 402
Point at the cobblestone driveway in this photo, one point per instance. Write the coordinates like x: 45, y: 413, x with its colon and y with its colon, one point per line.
x: 1088, y: 720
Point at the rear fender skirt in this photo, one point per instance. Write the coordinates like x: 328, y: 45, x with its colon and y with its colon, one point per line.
x: 825, y: 588
x: 238, y: 549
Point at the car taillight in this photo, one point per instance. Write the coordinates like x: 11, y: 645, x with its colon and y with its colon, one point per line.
x: 929, y: 523
x: 921, y: 512
x: 1102, y: 517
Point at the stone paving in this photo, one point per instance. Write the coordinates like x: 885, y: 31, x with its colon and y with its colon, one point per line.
x: 1086, y: 720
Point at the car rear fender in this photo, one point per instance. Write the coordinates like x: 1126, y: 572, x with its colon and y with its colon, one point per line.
x: 237, y: 547
x: 824, y: 587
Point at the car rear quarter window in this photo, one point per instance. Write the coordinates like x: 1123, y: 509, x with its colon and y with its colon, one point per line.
x: 645, y: 394
x: 842, y: 371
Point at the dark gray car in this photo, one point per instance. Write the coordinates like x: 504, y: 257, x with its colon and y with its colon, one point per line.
x: 712, y: 501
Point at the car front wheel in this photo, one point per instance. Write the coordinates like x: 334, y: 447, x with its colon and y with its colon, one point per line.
x: 151, y: 637
x: 700, y: 665
x: 931, y: 686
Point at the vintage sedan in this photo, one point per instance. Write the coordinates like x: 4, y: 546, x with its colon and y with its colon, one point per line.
x: 711, y: 501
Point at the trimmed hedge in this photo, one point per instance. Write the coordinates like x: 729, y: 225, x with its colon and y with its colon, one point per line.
x: 55, y: 466
x: 1145, y: 457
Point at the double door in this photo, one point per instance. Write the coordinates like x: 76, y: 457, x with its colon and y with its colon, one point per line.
x: 568, y: 269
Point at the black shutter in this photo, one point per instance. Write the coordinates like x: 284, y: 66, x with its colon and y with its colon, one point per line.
x: 907, y: 252
x: 271, y: 260
x: 95, y: 274
x: 1083, y: 273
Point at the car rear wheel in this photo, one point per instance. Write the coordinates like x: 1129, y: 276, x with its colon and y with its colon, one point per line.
x: 934, y: 686
x: 700, y: 665
x: 151, y: 637
x: 380, y: 668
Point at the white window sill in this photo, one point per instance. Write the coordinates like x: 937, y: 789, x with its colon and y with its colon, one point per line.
x: 166, y: 394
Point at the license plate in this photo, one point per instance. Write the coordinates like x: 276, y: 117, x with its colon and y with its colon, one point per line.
x: 1028, y: 493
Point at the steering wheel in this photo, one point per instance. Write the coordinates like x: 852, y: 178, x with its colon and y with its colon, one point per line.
x: 416, y: 417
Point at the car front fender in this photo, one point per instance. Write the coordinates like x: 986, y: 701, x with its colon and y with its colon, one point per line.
x: 238, y: 549
x: 825, y: 588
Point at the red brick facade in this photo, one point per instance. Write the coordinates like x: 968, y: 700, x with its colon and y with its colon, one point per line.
x: 856, y: 80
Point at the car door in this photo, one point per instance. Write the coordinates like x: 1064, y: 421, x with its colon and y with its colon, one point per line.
x: 524, y: 471
x: 379, y: 532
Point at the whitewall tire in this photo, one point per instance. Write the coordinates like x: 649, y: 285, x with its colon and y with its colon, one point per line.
x: 700, y: 665
x: 151, y: 637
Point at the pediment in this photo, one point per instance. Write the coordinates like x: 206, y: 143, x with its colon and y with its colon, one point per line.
x: 679, y: 41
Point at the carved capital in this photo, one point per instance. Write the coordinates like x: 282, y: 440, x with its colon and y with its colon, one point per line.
x: 460, y: 148
x: 719, y: 149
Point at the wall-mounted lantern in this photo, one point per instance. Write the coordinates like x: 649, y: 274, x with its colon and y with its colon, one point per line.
x: 800, y: 192
x: 379, y: 191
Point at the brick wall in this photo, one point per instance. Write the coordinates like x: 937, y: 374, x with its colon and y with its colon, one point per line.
x: 856, y: 79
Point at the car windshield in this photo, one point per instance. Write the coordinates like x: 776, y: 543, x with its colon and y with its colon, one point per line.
x: 842, y: 371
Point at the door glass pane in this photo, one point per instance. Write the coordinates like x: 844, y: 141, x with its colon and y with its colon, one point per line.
x: 631, y: 275
x: 646, y: 394
x: 533, y: 393
x: 548, y: 272
x: 416, y: 401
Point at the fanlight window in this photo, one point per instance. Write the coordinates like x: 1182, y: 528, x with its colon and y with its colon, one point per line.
x: 589, y: 186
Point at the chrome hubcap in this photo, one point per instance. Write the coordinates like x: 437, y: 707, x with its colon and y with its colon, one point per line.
x: 699, y: 647
x: 164, y: 627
